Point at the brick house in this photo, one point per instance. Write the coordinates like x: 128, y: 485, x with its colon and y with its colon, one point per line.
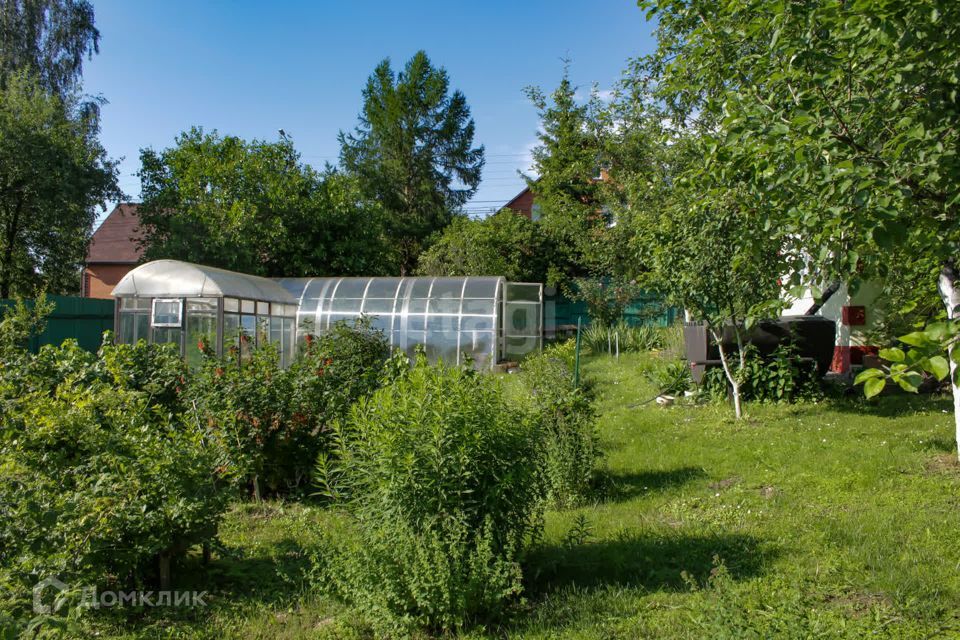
x: 114, y: 250
x: 523, y: 203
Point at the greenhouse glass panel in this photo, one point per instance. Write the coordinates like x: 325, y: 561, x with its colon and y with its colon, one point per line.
x: 164, y: 335
x: 484, y: 318
x: 126, y: 328
x: 482, y: 288
x: 201, y: 327
x: 444, y: 305
x: 231, y: 332
x: 375, y: 306
x: 141, y: 325
x: 384, y: 288
x: 447, y: 288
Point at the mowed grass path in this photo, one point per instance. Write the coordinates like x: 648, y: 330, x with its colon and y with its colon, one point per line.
x: 837, y: 519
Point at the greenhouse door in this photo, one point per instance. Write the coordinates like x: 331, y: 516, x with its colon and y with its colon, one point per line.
x: 522, y: 319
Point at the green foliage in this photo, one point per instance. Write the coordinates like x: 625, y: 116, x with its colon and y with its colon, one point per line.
x: 597, y: 338
x: 671, y: 377
x: 412, y: 152
x: 567, y: 420
x: 98, y: 475
x: 279, y: 419
x: 21, y: 322
x: 56, y: 174
x: 925, y: 355
x: 503, y: 244
x: 442, y: 477
x: 254, y: 207
x: 850, y: 146
x: 606, y: 298
x: 568, y: 161
x: 781, y: 377
x: 49, y: 40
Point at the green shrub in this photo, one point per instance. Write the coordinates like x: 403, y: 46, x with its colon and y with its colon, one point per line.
x: 441, y: 476
x: 100, y: 484
x: 568, y: 437
x: 671, y: 377
x: 598, y: 338
x: 280, y: 418
x: 782, y: 377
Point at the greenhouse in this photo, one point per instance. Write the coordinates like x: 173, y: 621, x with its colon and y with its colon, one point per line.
x: 484, y: 319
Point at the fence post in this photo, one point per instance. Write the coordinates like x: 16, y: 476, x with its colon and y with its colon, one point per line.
x: 576, y: 359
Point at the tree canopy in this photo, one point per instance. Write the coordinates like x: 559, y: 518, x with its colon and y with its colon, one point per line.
x: 413, y: 152
x: 253, y: 206
x: 840, y: 116
x: 567, y: 163
x: 53, y: 175
x: 48, y: 39
x: 503, y: 244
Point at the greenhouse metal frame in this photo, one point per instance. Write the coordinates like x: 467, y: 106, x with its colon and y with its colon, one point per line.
x: 483, y: 319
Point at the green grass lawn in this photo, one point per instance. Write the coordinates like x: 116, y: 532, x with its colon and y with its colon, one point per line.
x: 836, y: 519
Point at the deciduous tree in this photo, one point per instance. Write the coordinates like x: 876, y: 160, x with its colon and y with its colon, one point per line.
x: 840, y: 117
x: 503, y: 244
x: 47, y: 39
x: 253, y: 206
x: 53, y: 175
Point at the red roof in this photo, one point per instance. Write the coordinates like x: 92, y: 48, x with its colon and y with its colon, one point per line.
x: 115, y: 241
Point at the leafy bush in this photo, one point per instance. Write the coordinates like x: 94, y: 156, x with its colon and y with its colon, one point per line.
x: 568, y: 436
x: 671, y: 377
x: 100, y: 483
x: 782, y: 377
x: 280, y: 419
x: 598, y: 338
x: 441, y: 477
x: 606, y: 299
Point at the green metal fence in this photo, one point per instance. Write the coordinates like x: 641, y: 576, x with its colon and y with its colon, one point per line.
x: 83, y: 319
x: 646, y: 310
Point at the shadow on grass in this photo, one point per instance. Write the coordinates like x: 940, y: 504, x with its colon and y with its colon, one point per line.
x: 232, y: 580
x: 620, y: 487
x: 655, y: 562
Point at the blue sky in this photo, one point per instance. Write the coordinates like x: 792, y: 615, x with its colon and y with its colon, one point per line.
x: 251, y: 68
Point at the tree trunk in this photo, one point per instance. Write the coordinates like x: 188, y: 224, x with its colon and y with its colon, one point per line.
x: 732, y: 379
x: 950, y: 294
x: 256, y: 488
x: 6, y: 269
x: 164, y: 566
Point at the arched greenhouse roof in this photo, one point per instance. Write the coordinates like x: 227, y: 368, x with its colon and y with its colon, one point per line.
x: 176, y: 279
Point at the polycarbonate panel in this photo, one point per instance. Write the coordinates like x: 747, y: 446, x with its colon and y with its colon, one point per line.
x: 479, y: 307
x: 449, y: 316
x: 444, y: 305
x: 383, y: 288
x: 345, y: 305
x: 476, y: 323
x: 382, y: 323
x: 447, y: 288
x: 352, y: 287
x: 378, y: 305
x: 441, y: 324
x: 481, y: 288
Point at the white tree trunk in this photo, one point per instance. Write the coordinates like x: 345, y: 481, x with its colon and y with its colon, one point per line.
x: 950, y: 294
x: 732, y: 379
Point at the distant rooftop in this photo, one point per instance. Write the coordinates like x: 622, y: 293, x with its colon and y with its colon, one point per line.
x: 116, y: 240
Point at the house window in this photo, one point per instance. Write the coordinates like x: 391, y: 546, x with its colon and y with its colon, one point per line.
x: 535, y: 212
x: 167, y: 312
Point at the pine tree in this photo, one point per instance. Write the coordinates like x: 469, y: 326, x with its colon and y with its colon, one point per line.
x: 413, y: 152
